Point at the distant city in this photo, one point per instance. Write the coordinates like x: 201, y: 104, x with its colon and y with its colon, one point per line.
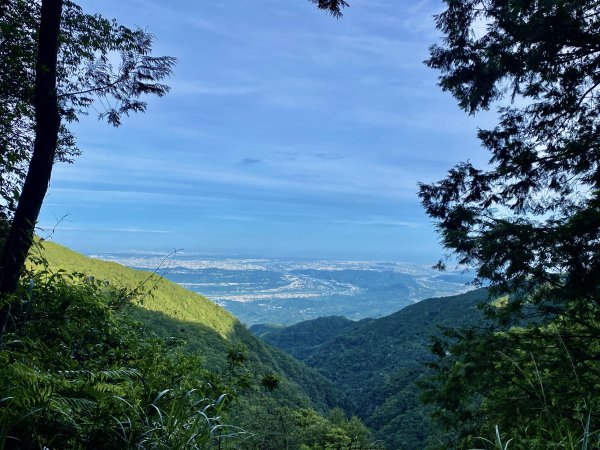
x: 287, y: 291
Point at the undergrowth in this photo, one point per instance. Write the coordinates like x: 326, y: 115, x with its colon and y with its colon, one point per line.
x: 76, y: 372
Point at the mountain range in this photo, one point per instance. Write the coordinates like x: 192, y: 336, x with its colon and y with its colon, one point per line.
x: 368, y: 367
x: 376, y: 362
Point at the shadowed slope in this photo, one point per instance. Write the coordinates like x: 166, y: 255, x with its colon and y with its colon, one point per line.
x: 376, y: 362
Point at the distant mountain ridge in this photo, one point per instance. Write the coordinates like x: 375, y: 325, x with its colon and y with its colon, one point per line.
x: 303, y: 339
x: 377, y: 361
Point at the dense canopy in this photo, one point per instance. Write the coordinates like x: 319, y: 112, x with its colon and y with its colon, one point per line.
x: 532, y: 216
x: 529, y: 221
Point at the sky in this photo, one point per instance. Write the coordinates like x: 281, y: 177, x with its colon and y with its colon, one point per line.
x: 287, y: 133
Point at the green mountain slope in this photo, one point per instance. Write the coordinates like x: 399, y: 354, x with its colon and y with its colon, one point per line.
x: 377, y: 362
x: 303, y: 339
x: 262, y: 329
x: 203, y: 327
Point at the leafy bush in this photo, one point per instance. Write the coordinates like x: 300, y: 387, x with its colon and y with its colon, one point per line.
x: 529, y: 381
x: 269, y: 426
x: 77, y: 372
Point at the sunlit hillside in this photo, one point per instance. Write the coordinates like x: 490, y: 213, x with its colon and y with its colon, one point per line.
x: 199, y: 325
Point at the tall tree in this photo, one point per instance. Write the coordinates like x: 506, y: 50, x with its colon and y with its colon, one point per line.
x: 68, y: 53
x: 533, y: 217
x: 71, y: 68
x: 529, y: 222
x: 47, y: 124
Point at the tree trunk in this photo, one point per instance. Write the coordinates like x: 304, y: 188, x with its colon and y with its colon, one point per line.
x: 47, y: 123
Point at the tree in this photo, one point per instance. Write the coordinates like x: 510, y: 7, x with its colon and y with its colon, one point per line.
x: 67, y: 53
x: 530, y: 221
x: 70, y: 68
x: 47, y: 124
x: 533, y: 217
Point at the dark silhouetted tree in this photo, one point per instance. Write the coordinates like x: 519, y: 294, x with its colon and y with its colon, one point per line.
x: 529, y: 222
x: 68, y: 60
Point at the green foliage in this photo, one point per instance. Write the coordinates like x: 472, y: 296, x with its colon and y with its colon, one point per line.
x: 262, y: 329
x: 334, y: 7
x: 273, y: 427
x: 300, y: 340
x: 529, y: 222
x: 270, y: 382
x: 525, y: 380
x: 377, y: 362
x: 76, y: 372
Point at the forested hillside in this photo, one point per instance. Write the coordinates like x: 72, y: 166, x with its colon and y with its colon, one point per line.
x: 202, y: 327
x: 105, y: 348
x: 367, y: 367
x: 377, y: 362
x: 303, y: 339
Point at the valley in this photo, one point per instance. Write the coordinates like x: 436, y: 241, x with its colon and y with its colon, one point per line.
x: 377, y: 363
x: 305, y: 170
x: 367, y: 367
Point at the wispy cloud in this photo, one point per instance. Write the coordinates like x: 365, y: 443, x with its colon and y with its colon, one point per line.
x: 308, y: 174
x: 378, y: 221
x: 102, y: 229
x: 237, y: 218
x: 393, y: 51
x: 250, y: 161
x: 426, y: 120
x: 187, y: 87
x: 174, y: 15
x: 329, y: 156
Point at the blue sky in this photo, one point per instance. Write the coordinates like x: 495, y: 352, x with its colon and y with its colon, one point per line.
x: 286, y: 133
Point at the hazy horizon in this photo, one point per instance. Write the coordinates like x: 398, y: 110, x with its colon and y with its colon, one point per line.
x: 290, y: 290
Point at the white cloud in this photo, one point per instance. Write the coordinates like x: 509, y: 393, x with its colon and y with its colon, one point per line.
x: 101, y: 229
x: 378, y: 221
x: 191, y: 87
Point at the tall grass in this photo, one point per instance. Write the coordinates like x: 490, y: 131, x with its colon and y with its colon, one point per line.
x: 552, y: 430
